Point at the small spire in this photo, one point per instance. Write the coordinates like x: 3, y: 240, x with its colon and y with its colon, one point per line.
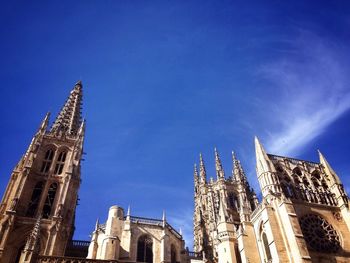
x: 164, y: 217
x: 219, y: 170
x: 44, y: 123
x: 202, y: 171
x: 180, y: 231
x: 69, y: 119
x: 97, y: 224
x: 34, y: 236
x: 128, y: 212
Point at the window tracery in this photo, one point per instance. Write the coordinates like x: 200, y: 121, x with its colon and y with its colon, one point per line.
x: 35, y: 199
x: 45, y: 167
x: 145, y: 249
x: 60, y: 162
x: 319, y: 234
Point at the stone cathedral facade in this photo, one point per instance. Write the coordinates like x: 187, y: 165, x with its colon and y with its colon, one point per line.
x: 303, y: 215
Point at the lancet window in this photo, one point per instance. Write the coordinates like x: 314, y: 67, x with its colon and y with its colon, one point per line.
x: 49, y: 201
x: 35, y: 199
x: 233, y: 201
x: 267, y: 251
x: 145, y: 249
x: 45, y: 167
x: 60, y: 162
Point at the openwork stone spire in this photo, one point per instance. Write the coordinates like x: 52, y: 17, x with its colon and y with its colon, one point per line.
x: 202, y: 171
x: 69, y: 119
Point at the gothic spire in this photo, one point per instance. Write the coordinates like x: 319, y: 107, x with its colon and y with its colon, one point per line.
x: 202, y: 172
x: 69, y: 119
x: 219, y: 170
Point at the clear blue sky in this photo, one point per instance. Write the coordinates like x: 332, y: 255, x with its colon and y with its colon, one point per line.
x: 165, y: 80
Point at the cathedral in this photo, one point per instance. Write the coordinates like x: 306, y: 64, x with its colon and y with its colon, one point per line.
x: 303, y: 214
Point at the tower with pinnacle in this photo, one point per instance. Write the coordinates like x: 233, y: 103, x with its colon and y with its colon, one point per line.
x: 221, y: 214
x: 304, y: 214
x: 37, y: 210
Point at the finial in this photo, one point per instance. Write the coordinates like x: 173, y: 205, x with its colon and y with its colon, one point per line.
x: 97, y: 224
x: 180, y: 231
x: 128, y: 212
x: 164, y: 218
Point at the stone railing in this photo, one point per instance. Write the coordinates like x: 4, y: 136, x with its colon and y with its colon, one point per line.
x: 292, y: 160
x: 147, y: 221
x: 55, y: 259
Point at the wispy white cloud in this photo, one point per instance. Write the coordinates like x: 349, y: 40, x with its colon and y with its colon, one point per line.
x: 313, y: 90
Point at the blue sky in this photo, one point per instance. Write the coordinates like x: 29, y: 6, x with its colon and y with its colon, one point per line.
x: 165, y: 80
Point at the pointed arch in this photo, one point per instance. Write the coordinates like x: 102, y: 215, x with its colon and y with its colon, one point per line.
x: 35, y: 199
x: 264, y: 244
x: 49, y: 201
x: 46, y: 164
x: 60, y: 162
x: 145, y: 249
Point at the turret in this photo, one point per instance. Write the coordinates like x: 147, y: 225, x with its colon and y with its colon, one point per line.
x: 110, y: 249
x: 226, y: 237
x: 265, y: 171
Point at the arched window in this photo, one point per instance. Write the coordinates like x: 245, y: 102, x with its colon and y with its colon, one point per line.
x: 233, y: 201
x: 60, y: 162
x: 35, y: 199
x: 145, y: 249
x: 50, y: 198
x: 45, y: 167
x: 266, y: 246
x: 173, y: 254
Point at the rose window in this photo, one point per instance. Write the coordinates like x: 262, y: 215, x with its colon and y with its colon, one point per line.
x: 319, y: 234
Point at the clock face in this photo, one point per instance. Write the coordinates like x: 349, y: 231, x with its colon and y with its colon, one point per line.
x: 319, y: 234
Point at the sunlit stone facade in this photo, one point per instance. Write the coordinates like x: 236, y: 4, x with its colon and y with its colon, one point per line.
x: 303, y: 215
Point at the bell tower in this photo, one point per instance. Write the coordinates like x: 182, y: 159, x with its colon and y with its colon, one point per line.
x: 44, y: 185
